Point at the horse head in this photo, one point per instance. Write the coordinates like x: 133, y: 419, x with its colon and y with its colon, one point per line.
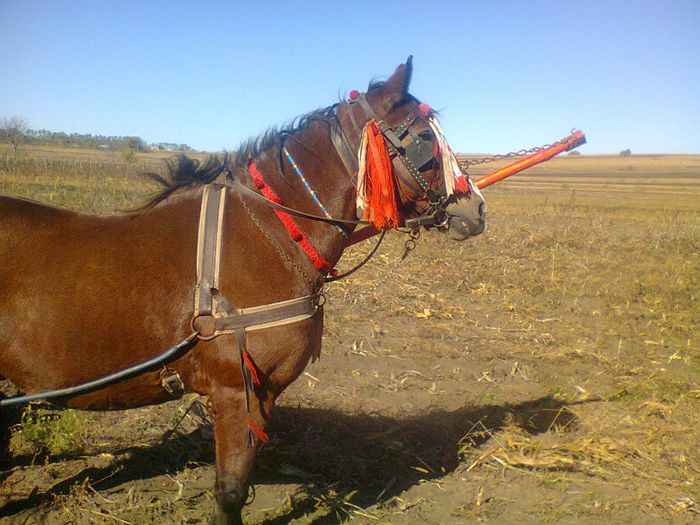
x: 431, y: 190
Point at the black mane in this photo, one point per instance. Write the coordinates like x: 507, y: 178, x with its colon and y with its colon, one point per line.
x: 184, y: 171
x: 274, y: 137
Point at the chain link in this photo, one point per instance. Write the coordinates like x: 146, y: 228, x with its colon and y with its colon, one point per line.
x: 465, y: 164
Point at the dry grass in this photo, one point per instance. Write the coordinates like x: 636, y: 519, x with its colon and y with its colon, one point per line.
x: 546, y: 371
x: 88, y: 180
x: 588, y: 295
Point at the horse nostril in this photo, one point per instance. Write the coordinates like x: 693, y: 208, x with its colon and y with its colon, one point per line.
x: 482, y: 210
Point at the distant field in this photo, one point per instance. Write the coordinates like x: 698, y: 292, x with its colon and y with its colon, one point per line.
x: 53, y: 152
x: 90, y: 180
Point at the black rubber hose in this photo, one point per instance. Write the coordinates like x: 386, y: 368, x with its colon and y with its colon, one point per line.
x: 107, y: 380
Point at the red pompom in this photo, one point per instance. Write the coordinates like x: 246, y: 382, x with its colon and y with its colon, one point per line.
x: 354, y: 94
x: 425, y: 109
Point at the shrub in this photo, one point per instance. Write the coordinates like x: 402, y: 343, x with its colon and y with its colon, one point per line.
x: 56, y: 433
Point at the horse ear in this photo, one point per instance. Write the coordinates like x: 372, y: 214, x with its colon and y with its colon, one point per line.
x: 395, y: 89
x: 398, y: 83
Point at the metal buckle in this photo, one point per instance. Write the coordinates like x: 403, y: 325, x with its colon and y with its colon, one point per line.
x: 171, y: 381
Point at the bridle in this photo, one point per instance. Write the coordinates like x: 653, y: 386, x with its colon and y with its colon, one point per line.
x: 402, y: 141
x: 404, y: 144
x: 413, y: 152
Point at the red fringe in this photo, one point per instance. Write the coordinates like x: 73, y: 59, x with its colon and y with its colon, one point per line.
x: 380, y: 191
x: 251, y: 366
x: 259, y: 432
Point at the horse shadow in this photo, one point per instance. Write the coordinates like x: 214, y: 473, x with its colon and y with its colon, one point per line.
x: 365, y: 457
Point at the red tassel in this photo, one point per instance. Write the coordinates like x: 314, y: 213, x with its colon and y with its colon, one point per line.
x: 255, y: 429
x: 461, y: 184
x: 251, y: 366
x: 380, y: 191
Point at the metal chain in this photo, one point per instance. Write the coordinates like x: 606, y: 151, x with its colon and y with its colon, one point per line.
x: 465, y: 164
x: 410, y: 243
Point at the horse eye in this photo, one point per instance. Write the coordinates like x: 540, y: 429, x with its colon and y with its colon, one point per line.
x: 425, y: 135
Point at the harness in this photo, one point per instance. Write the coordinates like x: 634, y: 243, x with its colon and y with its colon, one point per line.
x: 213, y: 315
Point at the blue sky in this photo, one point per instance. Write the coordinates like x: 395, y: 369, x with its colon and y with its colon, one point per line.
x: 505, y: 75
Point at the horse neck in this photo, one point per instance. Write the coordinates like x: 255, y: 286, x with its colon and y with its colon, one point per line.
x: 317, y: 159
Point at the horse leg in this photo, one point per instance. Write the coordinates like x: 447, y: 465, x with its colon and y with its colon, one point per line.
x: 234, y: 456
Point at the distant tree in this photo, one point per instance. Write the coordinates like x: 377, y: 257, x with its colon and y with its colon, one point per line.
x: 14, y: 132
x: 136, y: 143
x: 626, y: 153
x: 574, y: 153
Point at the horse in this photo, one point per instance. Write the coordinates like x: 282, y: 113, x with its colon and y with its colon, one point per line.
x: 230, y: 256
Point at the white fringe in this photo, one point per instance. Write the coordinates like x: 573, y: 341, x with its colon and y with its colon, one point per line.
x: 362, y: 164
x: 450, y: 166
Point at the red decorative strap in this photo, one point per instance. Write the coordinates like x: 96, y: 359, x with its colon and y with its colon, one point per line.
x: 297, y: 235
x: 251, y: 366
x: 255, y: 429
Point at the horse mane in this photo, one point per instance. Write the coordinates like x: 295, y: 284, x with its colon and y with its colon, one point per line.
x: 184, y: 171
x: 274, y: 137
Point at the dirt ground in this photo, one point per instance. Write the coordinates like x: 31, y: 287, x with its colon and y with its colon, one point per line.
x: 546, y: 371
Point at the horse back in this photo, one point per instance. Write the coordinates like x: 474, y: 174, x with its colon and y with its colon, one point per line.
x: 82, y: 295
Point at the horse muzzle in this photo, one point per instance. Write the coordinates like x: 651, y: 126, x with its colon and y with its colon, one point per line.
x: 467, y: 217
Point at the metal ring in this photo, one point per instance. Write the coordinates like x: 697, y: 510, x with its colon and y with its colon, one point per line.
x: 197, y: 333
x: 443, y: 222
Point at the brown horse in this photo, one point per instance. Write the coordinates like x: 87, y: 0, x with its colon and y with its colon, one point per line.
x: 84, y: 296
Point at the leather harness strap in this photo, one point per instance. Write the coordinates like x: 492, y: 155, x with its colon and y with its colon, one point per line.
x: 209, y: 248
x: 214, y: 315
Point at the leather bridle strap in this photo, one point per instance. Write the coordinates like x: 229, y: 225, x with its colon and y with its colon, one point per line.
x: 245, y: 190
x: 395, y: 144
x: 342, y: 146
x: 209, y: 248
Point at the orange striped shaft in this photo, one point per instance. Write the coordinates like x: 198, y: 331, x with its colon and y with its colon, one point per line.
x: 576, y: 139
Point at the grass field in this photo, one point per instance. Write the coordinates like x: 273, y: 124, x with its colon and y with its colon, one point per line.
x: 546, y: 371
